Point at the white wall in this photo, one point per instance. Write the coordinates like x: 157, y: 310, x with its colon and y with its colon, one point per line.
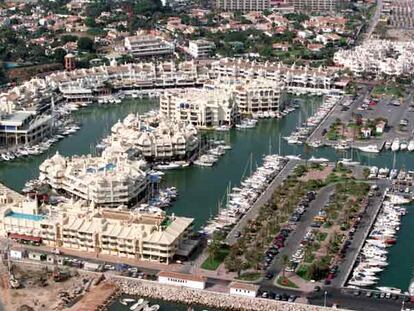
x: 242, y: 292
x: 181, y: 282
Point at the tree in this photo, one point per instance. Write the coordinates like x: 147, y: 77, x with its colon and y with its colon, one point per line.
x: 59, y: 55
x: 284, y: 262
x: 90, y: 22
x: 86, y: 44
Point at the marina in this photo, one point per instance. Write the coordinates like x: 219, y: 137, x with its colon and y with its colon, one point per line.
x: 266, y: 137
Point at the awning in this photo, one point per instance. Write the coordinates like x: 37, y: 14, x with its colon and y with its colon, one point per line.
x: 25, y: 237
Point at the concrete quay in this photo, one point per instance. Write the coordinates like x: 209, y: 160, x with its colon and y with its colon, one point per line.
x: 222, y: 301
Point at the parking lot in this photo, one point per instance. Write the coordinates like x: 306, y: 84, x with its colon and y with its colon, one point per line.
x: 398, y: 113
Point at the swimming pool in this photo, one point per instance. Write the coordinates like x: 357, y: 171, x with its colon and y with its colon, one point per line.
x: 25, y: 216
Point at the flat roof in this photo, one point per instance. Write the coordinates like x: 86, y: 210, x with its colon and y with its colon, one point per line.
x: 246, y: 286
x: 15, y: 118
x: 183, y: 276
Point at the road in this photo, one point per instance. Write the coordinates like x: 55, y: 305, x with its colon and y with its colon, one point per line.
x: 263, y: 199
x: 296, y: 236
x: 374, y: 21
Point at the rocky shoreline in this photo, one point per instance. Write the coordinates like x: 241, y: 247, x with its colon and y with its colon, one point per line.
x: 206, y: 298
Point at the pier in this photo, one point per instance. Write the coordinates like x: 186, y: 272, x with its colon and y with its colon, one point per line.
x: 360, y: 236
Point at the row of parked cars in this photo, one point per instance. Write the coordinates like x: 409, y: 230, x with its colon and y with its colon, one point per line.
x: 380, y: 295
x: 279, y: 240
x: 276, y: 296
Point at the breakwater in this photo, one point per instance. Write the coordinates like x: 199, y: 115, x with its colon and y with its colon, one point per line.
x: 217, y: 300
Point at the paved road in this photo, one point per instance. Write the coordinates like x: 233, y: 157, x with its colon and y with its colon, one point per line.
x: 375, y: 18
x: 263, y: 199
x: 296, y: 236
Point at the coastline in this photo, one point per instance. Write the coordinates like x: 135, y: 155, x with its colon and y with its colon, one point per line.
x: 217, y: 300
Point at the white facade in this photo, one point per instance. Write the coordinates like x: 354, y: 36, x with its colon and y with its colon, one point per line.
x: 83, y: 227
x: 181, y: 279
x: 297, y: 80
x: 243, y: 5
x: 259, y: 95
x: 243, y: 289
x: 201, y: 48
x: 378, y: 57
x: 169, y: 140
x: 142, y: 46
x: 200, y: 107
x: 105, y: 181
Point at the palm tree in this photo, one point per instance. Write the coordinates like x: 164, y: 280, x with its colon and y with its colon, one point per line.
x: 285, y: 261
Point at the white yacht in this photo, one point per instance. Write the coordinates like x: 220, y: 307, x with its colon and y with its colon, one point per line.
x: 395, y: 144
x: 391, y: 290
x: 318, y: 160
x: 410, y: 146
x: 369, y: 149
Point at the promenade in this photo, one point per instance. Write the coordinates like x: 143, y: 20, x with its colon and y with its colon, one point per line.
x: 206, y: 298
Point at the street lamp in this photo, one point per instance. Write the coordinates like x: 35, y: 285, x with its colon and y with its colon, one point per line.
x: 324, y: 298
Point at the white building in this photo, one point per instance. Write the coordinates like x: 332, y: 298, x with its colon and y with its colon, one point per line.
x: 200, y: 107
x: 24, y: 127
x: 296, y: 79
x: 259, y: 96
x: 104, y: 181
x: 85, y: 228
x: 182, y: 279
x: 170, y: 140
x: 243, y: 289
x: 378, y: 57
x: 148, y: 45
x: 201, y: 48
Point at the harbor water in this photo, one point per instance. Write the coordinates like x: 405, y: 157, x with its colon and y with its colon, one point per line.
x: 200, y: 189
x: 164, y: 306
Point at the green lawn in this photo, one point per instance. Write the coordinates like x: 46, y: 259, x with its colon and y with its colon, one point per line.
x: 391, y: 90
x: 284, y: 281
x: 213, y: 263
x: 249, y: 276
x: 321, y: 236
x: 303, y: 272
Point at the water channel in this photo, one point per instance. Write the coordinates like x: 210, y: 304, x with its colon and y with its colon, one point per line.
x: 201, y: 188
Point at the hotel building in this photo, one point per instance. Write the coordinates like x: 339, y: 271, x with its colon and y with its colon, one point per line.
x: 169, y: 140
x: 378, y: 57
x: 103, y: 181
x: 297, y: 80
x: 243, y: 5
x: 85, y: 228
x: 24, y: 128
x: 201, y: 107
x: 201, y: 48
x: 315, y: 5
x: 148, y: 45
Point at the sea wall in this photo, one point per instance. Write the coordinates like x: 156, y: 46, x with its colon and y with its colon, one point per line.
x: 222, y: 301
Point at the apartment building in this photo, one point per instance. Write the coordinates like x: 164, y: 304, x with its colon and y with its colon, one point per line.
x: 296, y: 79
x: 259, y: 96
x: 315, y: 6
x: 148, y: 45
x: 243, y: 5
x: 201, y: 107
x: 24, y: 128
x: 378, y: 57
x: 201, y: 48
x: 84, y: 228
x: 103, y: 181
x: 170, y: 140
